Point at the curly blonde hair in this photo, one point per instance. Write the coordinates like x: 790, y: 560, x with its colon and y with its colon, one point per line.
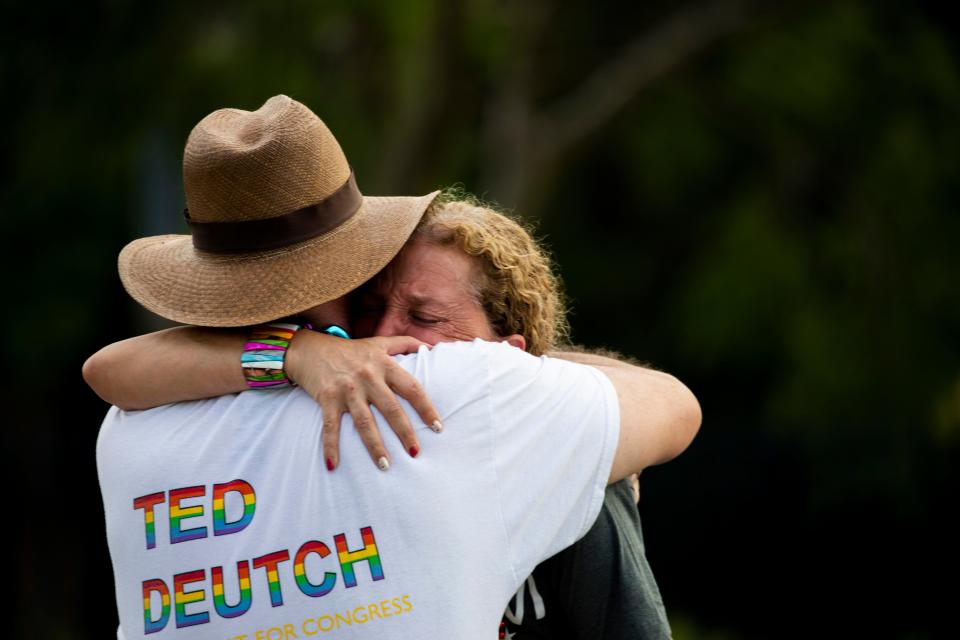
x: 517, y: 287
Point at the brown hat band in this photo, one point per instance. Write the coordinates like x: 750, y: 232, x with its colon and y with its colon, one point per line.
x: 280, y: 231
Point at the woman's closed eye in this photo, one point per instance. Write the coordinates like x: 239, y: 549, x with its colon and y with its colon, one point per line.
x: 425, y: 320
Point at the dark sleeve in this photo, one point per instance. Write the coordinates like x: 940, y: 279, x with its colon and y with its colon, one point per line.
x: 601, y: 587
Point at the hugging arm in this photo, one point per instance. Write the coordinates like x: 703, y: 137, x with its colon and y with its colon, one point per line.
x: 343, y: 376
x: 659, y: 415
x: 174, y: 365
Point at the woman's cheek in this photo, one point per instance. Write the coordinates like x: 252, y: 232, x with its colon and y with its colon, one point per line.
x: 430, y: 336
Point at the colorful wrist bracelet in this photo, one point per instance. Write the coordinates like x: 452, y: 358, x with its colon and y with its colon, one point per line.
x: 264, y: 352
x: 336, y: 330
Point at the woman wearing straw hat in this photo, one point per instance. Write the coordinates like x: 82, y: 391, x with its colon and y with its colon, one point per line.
x: 491, y: 300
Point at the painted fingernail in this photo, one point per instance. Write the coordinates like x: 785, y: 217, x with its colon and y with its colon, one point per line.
x: 437, y: 426
x: 383, y: 464
x: 414, y: 450
x: 330, y: 465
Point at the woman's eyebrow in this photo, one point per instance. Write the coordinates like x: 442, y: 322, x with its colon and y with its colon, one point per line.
x: 420, y: 300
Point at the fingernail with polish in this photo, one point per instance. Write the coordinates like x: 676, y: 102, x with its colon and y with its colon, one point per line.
x: 383, y: 464
x: 437, y: 426
x: 330, y: 465
x: 414, y: 450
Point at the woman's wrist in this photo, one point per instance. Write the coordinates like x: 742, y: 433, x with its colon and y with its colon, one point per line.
x: 298, y: 359
x: 294, y: 352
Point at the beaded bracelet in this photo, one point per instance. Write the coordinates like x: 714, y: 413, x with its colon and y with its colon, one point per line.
x: 264, y: 352
x: 266, y: 349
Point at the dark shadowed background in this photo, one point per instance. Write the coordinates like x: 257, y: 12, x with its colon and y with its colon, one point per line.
x: 758, y: 197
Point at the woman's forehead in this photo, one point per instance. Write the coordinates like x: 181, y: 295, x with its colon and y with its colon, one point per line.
x: 424, y: 271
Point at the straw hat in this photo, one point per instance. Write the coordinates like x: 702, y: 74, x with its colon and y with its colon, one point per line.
x: 277, y: 223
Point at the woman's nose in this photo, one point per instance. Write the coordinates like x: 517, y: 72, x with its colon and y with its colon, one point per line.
x: 391, y: 324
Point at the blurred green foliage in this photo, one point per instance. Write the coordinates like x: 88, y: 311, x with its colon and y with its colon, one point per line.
x: 770, y: 213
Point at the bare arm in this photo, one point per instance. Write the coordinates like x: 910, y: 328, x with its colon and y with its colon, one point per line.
x: 659, y: 415
x: 174, y: 365
x: 344, y: 376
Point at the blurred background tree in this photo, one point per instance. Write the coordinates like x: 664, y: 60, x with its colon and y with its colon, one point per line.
x: 760, y: 197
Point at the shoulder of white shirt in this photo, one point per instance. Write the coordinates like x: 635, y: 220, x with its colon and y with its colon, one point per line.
x: 477, y: 345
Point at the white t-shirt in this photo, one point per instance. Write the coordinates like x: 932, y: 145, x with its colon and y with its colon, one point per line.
x: 224, y: 523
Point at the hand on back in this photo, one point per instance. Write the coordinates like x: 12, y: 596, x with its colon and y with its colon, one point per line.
x: 348, y: 376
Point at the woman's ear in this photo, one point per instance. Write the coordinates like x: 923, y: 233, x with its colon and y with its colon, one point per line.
x: 517, y: 341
